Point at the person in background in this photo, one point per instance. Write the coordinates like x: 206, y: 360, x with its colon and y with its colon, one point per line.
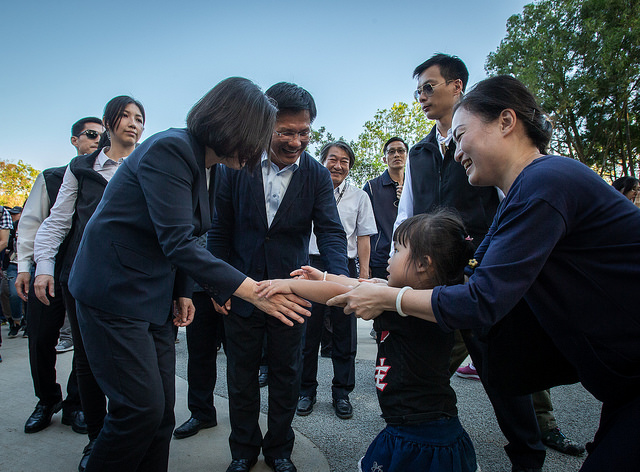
x: 45, y: 321
x: 359, y: 224
x: 12, y: 305
x: 627, y: 186
x: 82, y: 187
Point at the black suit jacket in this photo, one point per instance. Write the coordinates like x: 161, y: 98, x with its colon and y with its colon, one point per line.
x: 241, y: 235
x: 140, y: 246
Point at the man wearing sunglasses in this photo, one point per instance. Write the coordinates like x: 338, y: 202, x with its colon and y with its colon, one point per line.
x: 384, y: 192
x: 45, y: 321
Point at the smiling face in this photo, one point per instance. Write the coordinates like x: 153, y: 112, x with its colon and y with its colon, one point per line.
x: 286, y: 150
x: 477, y: 143
x: 130, y: 127
x: 337, y: 162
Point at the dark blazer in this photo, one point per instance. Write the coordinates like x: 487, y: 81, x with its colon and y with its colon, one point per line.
x: 240, y: 234
x: 140, y: 246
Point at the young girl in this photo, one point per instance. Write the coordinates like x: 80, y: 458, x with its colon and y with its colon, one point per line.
x: 423, y: 432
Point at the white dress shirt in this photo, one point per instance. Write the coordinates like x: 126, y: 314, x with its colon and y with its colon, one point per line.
x: 356, y: 215
x: 275, y: 182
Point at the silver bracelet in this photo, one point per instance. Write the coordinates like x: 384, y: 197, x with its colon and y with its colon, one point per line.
x: 399, y: 301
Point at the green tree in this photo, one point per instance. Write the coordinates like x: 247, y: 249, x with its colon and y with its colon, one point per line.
x: 403, y: 120
x: 581, y: 58
x: 17, y: 180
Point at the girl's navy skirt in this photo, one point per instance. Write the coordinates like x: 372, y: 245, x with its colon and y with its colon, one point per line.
x: 440, y: 445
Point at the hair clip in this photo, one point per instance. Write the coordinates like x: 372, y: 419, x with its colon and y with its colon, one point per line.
x: 468, y: 238
x: 473, y: 263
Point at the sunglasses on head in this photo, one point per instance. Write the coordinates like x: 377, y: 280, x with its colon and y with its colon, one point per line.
x: 91, y: 134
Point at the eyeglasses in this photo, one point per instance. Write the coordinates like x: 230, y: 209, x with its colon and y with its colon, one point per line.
x: 400, y: 151
x: 91, y: 134
x: 289, y: 135
x: 427, y: 89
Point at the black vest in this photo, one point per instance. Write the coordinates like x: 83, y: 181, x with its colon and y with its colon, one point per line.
x: 53, y: 180
x: 91, y: 186
x: 443, y: 183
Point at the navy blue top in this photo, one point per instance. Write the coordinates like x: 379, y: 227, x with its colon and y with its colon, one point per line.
x: 569, y: 244
x: 382, y: 192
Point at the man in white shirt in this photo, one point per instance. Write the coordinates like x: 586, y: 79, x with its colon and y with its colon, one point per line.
x: 45, y: 321
x: 358, y: 220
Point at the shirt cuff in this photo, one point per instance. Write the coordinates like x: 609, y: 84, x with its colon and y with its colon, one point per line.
x: 24, y: 266
x: 45, y: 268
x: 436, y: 310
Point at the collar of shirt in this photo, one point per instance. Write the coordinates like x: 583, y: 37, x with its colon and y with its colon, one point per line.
x: 104, y: 160
x: 386, y: 178
x: 269, y: 165
x: 340, y: 188
x: 443, y: 141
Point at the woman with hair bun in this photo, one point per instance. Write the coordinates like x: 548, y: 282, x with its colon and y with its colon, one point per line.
x: 563, y: 242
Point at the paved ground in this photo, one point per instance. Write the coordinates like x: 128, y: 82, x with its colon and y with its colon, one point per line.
x: 323, y: 442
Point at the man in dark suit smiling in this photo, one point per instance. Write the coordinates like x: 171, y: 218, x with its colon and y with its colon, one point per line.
x: 262, y: 227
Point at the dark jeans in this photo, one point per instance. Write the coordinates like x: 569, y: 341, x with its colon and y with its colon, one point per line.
x: 134, y: 363
x: 45, y: 322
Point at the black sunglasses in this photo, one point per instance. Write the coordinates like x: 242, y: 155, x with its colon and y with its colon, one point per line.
x: 91, y: 134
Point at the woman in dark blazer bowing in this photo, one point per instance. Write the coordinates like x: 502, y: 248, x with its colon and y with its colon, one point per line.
x: 139, y: 252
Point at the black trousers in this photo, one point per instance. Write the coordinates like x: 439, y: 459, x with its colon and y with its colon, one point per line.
x: 343, y: 351
x: 133, y: 361
x: 244, y: 340
x: 94, y: 403
x: 44, y: 323
x: 201, y: 366
x: 515, y: 414
x: 343, y: 345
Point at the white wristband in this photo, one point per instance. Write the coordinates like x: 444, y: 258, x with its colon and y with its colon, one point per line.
x: 399, y: 301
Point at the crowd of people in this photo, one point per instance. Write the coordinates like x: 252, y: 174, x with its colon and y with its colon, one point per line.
x: 229, y: 227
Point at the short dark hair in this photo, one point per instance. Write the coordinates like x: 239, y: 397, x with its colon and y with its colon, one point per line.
x: 78, y: 126
x: 234, y: 117
x: 624, y: 184
x: 489, y: 97
x: 451, y: 68
x: 292, y: 98
x: 114, y: 111
x: 440, y: 235
x: 393, y: 140
x: 324, y: 152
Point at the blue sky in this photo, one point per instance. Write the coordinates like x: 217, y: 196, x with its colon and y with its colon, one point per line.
x: 61, y: 61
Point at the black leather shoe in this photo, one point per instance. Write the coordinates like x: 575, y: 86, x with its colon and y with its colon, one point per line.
x: 343, y: 408
x: 242, y: 465
x: 85, y: 455
x: 41, y: 417
x: 558, y: 441
x: 263, y: 379
x: 280, y: 465
x: 305, y: 405
x: 191, y: 427
x: 75, y: 419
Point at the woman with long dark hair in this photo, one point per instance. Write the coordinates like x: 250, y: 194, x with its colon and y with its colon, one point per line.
x: 140, y: 251
x: 563, y: 242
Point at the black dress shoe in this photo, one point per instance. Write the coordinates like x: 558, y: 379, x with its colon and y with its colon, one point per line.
x: 305, y: 405
x: 85, y: 455
x: 41, y: 417
x: 280, y: 465
x: 75, y: 419
x: 558, y: 441
x: 343, y: 408
x: 263, y: 379
x: 191, y: 427
x: 242, y: 465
